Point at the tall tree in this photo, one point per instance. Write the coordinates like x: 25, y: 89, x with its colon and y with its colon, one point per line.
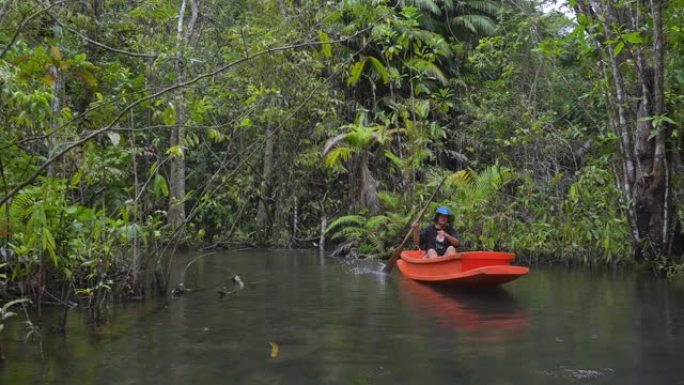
x: 630, y: 38
x: 184, y: 34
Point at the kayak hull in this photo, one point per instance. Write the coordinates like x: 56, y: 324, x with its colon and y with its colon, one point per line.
x: 466, y: 269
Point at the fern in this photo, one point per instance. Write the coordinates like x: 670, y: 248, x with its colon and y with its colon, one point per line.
x: 389, y: 200
x: 374, y: 223
x: 345, y: 221
x: 350, y: 233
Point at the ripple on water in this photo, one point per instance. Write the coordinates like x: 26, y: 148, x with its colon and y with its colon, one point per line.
x: 577, y: 373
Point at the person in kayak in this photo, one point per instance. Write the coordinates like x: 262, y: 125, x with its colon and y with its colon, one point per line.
x: 438, y: 239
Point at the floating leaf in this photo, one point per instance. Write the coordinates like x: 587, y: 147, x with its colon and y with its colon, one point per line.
x: 274, y: 350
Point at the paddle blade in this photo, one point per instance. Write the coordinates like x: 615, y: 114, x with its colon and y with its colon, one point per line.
x: 392, y: 261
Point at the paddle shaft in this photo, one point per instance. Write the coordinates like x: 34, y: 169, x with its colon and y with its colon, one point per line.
x: 397, y: 251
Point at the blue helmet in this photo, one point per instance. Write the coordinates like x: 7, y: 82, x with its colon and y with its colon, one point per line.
x: 443, y: 210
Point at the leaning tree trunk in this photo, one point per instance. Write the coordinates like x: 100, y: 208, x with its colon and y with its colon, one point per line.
x: 363, y: 186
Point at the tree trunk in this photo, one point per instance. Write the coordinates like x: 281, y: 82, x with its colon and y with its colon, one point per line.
x: 363, y: 187
x: 177, y: 178
x: 55, y: 107
x: 263, y: 217
x: 5, y: 8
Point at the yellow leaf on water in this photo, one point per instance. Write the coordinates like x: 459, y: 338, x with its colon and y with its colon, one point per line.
x: 274, y: 349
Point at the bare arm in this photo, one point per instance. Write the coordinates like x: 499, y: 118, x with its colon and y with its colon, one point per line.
x: 416, y: 234
x: 452, y: 240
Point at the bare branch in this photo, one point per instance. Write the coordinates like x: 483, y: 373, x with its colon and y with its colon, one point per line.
x: 102, y: 45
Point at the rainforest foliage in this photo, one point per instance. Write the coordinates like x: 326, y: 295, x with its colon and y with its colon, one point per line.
x: 132, y: 127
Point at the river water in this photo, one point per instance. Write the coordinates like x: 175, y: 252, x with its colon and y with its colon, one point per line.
x: 305, y: 319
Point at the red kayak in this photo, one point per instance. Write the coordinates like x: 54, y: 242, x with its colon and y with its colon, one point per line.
x: 470, y: 268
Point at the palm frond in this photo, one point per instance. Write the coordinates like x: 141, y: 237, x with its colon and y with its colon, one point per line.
x: 475, y: 23
x: 461, y: 178
x: 483, y: 6
x: 429, y: 69
x: 426, y: 5
x: 332, y: 142
x: 337, y: 157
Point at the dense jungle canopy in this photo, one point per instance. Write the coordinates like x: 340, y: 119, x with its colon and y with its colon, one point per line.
x: 131, y: 128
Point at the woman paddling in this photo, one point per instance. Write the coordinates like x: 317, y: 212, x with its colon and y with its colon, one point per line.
x: 440, y: 238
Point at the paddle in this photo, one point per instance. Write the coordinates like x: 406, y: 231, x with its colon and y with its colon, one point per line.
x: 397, y: 251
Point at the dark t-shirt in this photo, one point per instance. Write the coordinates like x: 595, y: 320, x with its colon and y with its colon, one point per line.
x: 428, y: 239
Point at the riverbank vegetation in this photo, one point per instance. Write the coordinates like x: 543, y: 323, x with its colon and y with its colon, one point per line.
x: 132, y: 128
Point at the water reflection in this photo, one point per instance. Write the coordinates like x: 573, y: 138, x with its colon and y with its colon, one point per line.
x: 490, y: 316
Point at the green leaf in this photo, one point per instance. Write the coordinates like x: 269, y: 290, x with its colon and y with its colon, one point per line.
x: 76, y: 179
x: 246, y: 123
x: 325, y: 48
x: 175, y: 151
x: 380, y: 69
x: 215, y: 135
x: 633, y: 38
x: 86, y: 77
x: 49, y: 245
x: 393, y: 158
x: 169, y: 115
x: 618, y: 48
x: 160, y: 186
x: 11, y: 303
x: 356, y: 71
